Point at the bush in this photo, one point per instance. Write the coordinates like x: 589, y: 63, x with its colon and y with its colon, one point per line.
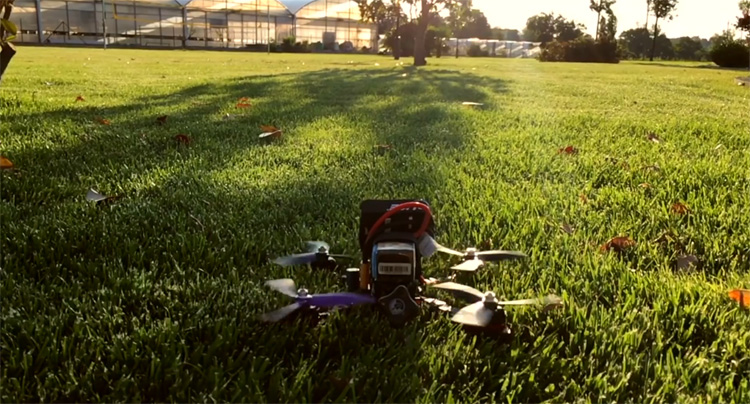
x: 476, y: 51
x: 580, y: 50
x: 730, y: 53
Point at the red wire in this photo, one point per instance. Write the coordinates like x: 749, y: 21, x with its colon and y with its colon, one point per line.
x: 398, y: 208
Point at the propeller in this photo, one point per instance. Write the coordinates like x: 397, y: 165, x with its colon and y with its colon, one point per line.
x: 472, y: 259
x: 316, y: 252
x: 480, y: 312
x: 304, y: 299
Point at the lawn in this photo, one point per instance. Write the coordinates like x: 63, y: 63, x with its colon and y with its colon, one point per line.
x: 156, y: 296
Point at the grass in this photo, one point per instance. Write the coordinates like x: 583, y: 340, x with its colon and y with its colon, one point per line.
x: 155, y: 297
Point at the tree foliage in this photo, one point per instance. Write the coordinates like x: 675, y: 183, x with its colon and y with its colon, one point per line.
x: 505, y: 34
x: 548, y: 27
x: 743, y: 22
x: 687, y: 48
x: 636, y: 43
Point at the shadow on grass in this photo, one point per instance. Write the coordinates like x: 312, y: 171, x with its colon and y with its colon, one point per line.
x: 705, y: 66
x: 167, y: 283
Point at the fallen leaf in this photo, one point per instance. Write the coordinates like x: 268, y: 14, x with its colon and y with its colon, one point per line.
x: 94, y: 196
x: 654, y: 167
x: 5, y: 164
x: 618, y: 244
x: 377, y: 64
x: 680, y: 208
x: 472, y: 104
x: 741, y: 296
x: 80, y: 98
x: 184, y: 139
x: 243, y: 105
x: 719, y: 146
x: 270, y: 131
x: 382, y: 148
x: 228, y: 117
x: 583, y: 198
x: 161, y: 119
x: 566, y: 228
x: 686, y: 261
x: 338, y: 383
x: 652, y: 137
x: 243, y: 99
x: 568, y: 150
x: 103, y: 121
x: 404, y: 75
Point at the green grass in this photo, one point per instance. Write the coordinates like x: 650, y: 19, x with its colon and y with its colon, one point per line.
x: 156, y: 296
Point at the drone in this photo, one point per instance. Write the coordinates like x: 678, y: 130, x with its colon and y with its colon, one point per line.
x: 394, y: 237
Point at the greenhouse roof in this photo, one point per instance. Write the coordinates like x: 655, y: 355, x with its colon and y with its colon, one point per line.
x: 292, y: 6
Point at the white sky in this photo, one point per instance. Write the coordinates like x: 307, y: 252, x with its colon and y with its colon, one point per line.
x: 703, y: 18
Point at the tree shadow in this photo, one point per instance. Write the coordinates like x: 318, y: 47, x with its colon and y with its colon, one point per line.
x: 704, y: 66
x: 190, y: 242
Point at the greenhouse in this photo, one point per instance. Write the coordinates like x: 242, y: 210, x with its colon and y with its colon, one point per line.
x: 323, y: 24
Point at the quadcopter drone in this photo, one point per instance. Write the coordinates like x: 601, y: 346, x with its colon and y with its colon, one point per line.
x: 394, y: 237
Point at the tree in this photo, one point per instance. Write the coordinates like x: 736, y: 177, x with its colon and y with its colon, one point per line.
x: 600, y: 6
x: 662, y: 9
x: 372, y: 9
x: 8, y: 32
x: 504, y: 34
x: 607, y: 27
x: 636, y: 44
x: 546, y: 28
x: 743, y: 23
x: 648, y: 11
x: 473, y: 24
x: 687, y: 48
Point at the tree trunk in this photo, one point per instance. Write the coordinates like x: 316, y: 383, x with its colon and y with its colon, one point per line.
x: 397, y: 48
x: 653, y: 44
x: 420, y: 58
x: 7, y: 51
x: 598, y: 18
x: 6, y: 54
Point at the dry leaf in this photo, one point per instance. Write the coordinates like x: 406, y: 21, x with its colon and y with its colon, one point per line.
x: 404, y: 75
x: 583, y: 198
x: 618, y: 244
x: 5, y: 164
x: 568, y: 150
x: 686, y: 261
x: 161, y: 119
x: 270, y: 131
x: 719, y: 146
x: 644, y: 185
x: 243, y: 99
x: 242, y: 105
x: 93, y: 196
x: 741, y: 296
x: 566, y: 228
x: 652, y: 137
x: 184, y: 139
x: 472, y: 104
x: 654, y: 167
x: 680, y: 208
x: 103, y: 121
x: 382, y: 148
x: 80, y: 98
x: 228, y: 117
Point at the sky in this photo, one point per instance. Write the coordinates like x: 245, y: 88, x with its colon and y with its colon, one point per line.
x: 702, y: 18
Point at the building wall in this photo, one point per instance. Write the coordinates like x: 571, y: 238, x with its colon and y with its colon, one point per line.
x: 202, y: 23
